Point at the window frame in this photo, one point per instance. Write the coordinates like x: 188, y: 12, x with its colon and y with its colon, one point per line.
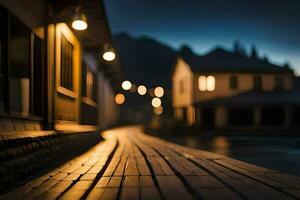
x: 279, y: 83
x: 66, y: 64
x: 234, y: 82
x: 62, y: 29
x: 6, y: 75
x: 257, y: 87
x: 206, y: 87
x: 89, y: 92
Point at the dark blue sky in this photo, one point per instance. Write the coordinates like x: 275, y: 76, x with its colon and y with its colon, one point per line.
x: 273, y: 26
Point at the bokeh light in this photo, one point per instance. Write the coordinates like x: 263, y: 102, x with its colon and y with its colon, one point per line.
x: 126, y: 85
x: 120, y: 99
x: 142, y: 90
x: 158, y: 110
x: 156, y: 102
x: 159, y: 91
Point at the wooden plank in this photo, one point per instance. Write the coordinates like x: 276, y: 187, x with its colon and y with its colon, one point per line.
x: 148, y: 189
x: 110, y: 193
x: 112, y: 166
x: 130, y: 188
x: 102, y: 182
x: 131, y: 167
x: 217, y: 193
x: 77, y: 190
x: 157, y: 170
x: 143, y: 167
x: 88, y: 177
x: 96, y: 193
x: 55, y: 191
x: 115, y: 182
x: 173, y: 188
x: 40, y: 189
x: 121, y: 167
x: 255, y: 176
x: 149, y: 193
x: 130, y: 193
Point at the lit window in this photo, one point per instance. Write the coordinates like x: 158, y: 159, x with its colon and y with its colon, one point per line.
x: 206, y: 83
x: 210, y: 83
x: 66, y: 66
x: 89, y: 83
x: 202, y: 83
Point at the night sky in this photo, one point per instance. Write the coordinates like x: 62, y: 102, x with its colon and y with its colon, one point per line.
x: 272, y: 26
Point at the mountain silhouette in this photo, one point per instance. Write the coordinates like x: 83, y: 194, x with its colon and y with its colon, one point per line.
x: 145, y: 60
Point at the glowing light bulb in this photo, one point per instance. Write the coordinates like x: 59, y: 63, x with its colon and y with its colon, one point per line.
x: 109, y: 56
x: 79, y: 25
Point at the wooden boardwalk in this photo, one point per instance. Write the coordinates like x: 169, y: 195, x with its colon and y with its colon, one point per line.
x: 132, y: 165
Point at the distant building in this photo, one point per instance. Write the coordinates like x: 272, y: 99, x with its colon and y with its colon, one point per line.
x: 224, y: 90
x: 52, y: 76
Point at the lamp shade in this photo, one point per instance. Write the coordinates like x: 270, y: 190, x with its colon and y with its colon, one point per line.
x: 79, y: 21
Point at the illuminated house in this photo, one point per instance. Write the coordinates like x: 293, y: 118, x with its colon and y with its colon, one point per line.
x: 224, y: 90
x: 53, y: 76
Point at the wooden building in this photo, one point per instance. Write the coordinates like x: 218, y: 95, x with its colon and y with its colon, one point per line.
x: 229, y: 90
x: 51, y: 75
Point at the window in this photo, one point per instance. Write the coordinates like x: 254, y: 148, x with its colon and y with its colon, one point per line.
x: 20, y: 40
x: 279, y: 82
x: 20, y: 67
x: 202, y: 83
x: 257, y: 83
x: 38, y: 69
x: 181, y: 86
x: 233, y: 82
x: 206, y: 83
x: 89, y: 83
x: 66, y: 64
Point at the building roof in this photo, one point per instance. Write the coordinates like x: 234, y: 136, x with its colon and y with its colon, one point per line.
x: 221, y: 60
x: 258, y: 98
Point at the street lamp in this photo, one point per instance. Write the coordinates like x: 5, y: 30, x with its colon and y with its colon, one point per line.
x: 79, y: 20
x: 108, y: 53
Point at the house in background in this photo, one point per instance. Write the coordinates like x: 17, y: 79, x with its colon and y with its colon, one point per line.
x: 229, y: 90
x: 51, y: 75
